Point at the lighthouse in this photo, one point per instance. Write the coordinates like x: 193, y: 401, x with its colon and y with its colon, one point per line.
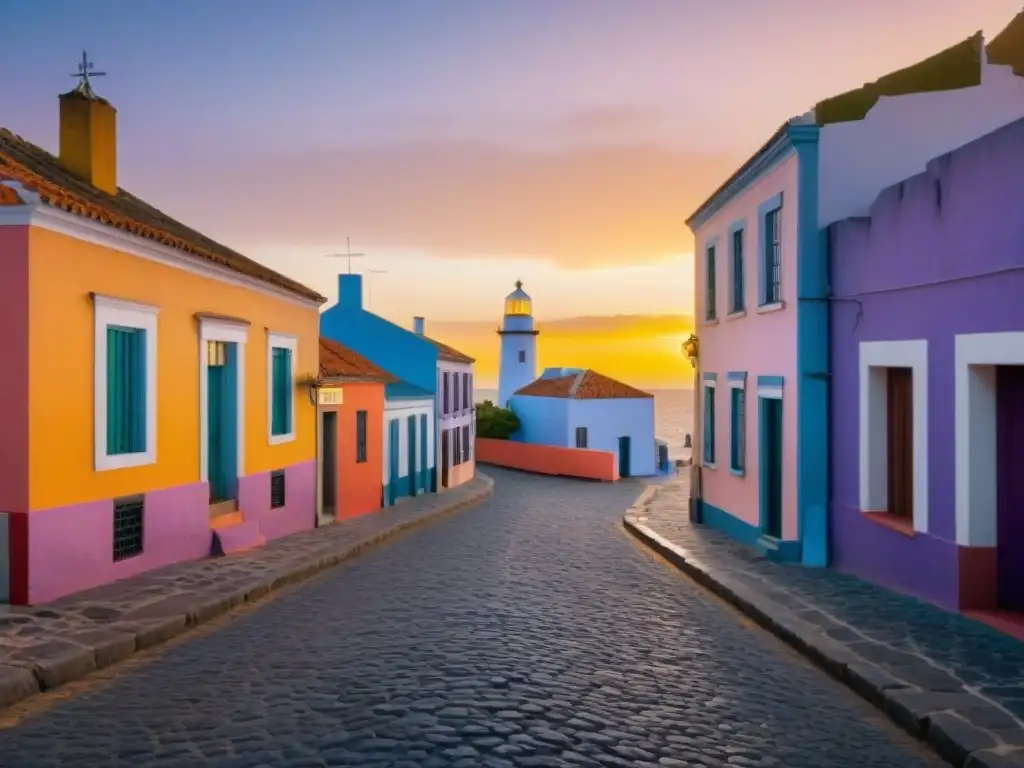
x: 518, y: 366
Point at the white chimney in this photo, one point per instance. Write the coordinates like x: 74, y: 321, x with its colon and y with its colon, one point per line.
x: 417, y: 326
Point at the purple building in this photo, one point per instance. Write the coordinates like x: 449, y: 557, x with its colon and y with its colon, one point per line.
x: 927, y: 354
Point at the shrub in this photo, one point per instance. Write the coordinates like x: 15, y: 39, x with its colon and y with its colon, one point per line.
x: 495, y: 422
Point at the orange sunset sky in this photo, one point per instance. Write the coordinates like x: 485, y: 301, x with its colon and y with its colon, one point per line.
x: 463, y: 145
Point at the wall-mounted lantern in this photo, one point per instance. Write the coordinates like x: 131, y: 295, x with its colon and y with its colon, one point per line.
x: 312, y: 384
x: 691, y: 348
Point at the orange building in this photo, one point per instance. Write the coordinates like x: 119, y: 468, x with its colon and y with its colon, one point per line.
x: 156, y: 384
x: 350, y: 425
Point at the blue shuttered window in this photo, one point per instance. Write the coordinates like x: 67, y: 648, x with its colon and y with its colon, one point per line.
x: 737, y: 272
x: 710, y: 313
x: 738, y: 447
x: 709, y: 425
x: 773, y: 257
x: 126, y: 390
x: 281, y: 391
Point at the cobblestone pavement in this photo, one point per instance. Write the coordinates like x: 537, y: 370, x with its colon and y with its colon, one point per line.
x: 913, y: 658
x: 531, y: 632
x: 47, y: 646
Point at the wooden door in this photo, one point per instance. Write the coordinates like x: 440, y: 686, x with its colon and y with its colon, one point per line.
x: 899, y: 406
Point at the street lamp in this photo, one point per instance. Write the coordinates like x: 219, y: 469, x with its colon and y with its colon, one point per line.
x: 691, y: 348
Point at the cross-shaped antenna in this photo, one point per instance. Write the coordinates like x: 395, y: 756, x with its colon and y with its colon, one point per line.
x: 369, y: 285
x: 85, y: 71
x: 347, y: 254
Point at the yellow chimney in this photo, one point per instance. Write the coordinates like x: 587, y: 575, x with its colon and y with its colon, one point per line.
x: 88, y: 137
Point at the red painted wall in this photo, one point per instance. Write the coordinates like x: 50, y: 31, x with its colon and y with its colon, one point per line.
x: 359, y: 484
x: 14, y: 382
x: 14, y: 385
x: 547, y: 459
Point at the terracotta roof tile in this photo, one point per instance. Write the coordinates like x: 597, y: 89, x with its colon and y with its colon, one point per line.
x: 586, y: 385
x: 338, y: 362
x: 38, y: 170
x: 449, y: 353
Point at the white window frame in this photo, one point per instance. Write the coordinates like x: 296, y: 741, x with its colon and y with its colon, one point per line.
x: 876, y: 357
x: 230, y: 333
x: 109, y: 311
x: 975, y: 357
x: 281, y: 341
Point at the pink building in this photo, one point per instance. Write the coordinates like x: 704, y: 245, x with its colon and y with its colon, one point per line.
x: 762, y: 279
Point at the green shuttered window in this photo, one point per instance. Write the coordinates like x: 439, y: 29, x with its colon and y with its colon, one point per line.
x: 126, y: 390
x: 709, y: 425
x: 738, y: 420
x: 281, y: 391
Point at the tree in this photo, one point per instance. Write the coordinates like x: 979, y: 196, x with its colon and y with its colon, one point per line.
x: 495, y: 422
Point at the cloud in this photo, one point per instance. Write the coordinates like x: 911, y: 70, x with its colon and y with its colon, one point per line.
x: 588, y: 206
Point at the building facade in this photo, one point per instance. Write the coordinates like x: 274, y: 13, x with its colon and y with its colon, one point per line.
x: 581, y: 408
x: 763, y: 346
x: 928, y: 381
x: 350, y: 431
x: 154, y: 377
x: 409, y: 445
x: 762, y: 280
x: 420, y: 362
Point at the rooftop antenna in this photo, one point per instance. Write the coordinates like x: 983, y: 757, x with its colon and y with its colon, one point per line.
x: 347, y: 254
x: 369, y: 285
x: 86, y: 69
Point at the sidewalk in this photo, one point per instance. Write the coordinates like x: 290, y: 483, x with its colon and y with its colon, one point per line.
x: 47, y: 646
x: 949, y: 680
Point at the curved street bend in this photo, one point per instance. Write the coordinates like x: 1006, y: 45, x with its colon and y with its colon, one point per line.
x: 529, y: 631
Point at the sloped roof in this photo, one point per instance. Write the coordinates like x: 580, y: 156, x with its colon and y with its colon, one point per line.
x: 340, y: 362
x: 449, y: 353
x: 39, y: 171
x: 958, y: 66
x: 398, y: 389
x: 1007, y: 48
x: 585, y: 385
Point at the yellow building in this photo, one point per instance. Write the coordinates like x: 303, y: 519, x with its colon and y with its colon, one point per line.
x: 154, y: 386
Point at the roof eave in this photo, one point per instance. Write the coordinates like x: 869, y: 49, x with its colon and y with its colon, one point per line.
x: 773, y: 150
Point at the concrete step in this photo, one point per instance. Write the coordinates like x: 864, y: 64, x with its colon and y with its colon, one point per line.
x: 236, y: 536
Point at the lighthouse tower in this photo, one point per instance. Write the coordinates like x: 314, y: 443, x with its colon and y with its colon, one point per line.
x: 518, y: 365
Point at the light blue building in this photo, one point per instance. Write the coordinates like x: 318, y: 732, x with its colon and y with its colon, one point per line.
x: 581, y: 408
x: 518, y: 363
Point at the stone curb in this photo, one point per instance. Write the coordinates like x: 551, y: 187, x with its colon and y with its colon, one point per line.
x: 105, y: 646
x: 965, y: 730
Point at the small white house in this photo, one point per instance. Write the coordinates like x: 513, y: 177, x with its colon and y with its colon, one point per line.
x: 581, y: 408
x: 409, y: 426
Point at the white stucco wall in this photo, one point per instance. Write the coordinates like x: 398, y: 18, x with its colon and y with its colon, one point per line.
x: 402, y: 410
x: 901, y: 134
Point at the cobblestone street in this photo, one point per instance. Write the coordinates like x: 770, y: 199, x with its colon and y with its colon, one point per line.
x: 528, y: 631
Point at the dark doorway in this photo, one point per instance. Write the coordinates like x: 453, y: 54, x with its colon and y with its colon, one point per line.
x: 1010, y: 487
x: 444, y: 457
x: 625, y: 445
x: 899, y: 423
x: 329, y: 464
x: 771, y: 466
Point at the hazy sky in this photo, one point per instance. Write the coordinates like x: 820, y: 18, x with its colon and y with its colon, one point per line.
x: 461, y: 143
